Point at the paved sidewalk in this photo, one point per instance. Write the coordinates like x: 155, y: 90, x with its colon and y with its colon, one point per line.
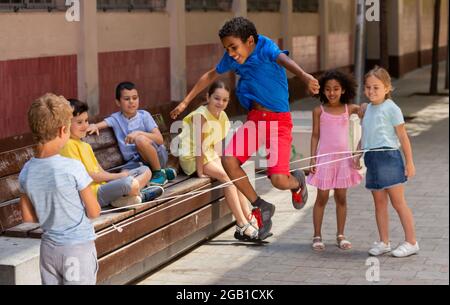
x: 288, y: 258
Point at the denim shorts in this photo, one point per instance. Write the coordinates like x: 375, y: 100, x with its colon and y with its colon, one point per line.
x: 385, y: 169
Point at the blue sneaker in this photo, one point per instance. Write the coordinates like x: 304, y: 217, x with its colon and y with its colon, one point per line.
x: 159, y: 178
x: 151, y: 193
x: 171, y: 173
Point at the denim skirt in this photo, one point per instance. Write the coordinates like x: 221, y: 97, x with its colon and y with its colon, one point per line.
x: 385, y: 169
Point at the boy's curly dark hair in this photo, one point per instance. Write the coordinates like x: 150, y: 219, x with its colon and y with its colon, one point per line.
x: 239, y: 27
x: 347, y: 82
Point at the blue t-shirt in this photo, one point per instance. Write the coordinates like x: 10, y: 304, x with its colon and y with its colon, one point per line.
x: 53, y: 185
x: 261, y: 79
x: 379, y: 125
x: 122, y: 127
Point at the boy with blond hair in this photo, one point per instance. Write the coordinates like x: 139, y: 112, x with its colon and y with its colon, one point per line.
x: 55, y: 193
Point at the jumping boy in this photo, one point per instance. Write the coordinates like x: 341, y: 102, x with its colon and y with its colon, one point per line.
x: 56, y: 194
x: 263, y: 90
x: 140, y: 140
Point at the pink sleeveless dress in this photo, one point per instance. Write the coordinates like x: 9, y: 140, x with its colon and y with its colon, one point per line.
x: 334, y: 137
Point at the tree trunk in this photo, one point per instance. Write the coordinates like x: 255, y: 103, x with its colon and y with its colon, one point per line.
x: 435, y: 59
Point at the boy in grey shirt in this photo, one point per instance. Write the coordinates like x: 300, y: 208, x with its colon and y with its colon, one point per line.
x: 56, y: 194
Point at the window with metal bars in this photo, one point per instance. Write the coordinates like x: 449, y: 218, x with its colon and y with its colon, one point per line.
x: 17, y: 5
x: 263, y: 5
x: 209, y: 5
x: 151, y: 5
x: 306, y: 6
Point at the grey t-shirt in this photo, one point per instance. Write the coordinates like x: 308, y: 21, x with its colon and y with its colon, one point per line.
x: 53, y: 185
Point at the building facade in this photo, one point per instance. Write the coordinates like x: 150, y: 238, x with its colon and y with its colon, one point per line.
x: 164, y: 46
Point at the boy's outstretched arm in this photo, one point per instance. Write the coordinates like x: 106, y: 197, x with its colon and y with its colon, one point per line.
x: 207, y: 79
x: 290, y: 65
x: 28, y: 212
x: 95, y: 128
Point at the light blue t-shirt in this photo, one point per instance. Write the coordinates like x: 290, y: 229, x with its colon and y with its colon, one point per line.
x: 53, y: 185
x: 122, y: 127
x: 379, y: 125
x: 262, y: 79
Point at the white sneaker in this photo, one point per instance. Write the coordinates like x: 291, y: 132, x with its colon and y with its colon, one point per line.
x: 126, y: 201
x: 380, y: 248
x: 406, y: 249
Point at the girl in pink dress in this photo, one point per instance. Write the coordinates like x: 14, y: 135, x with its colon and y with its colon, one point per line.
x: 331, y: 135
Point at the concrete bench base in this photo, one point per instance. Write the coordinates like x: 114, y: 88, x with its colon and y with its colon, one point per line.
x: 19, y: 264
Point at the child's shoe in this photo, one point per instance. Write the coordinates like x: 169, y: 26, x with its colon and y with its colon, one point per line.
x: 159, y: 178
x: 246, y: 233
x: 151, y: 193
x: 265, y: 211
x: 256, y: 221
x: 125, y: 201
x: 171, y: 173
x: 300, y: 197
x: 380, y: 248
x: 406, y: 249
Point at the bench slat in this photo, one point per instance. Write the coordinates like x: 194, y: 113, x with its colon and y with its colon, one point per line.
x: 178, y: 189
x: 21, y: 230
x: 9, y: 188
x: 11, y: 162
x: 109, y: 157
x: 10, y: 215
x: 153, y: 219
x: 104, y: 140
x: 163, y: 245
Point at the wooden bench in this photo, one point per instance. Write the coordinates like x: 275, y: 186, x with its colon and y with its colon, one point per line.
x: 153, y: 233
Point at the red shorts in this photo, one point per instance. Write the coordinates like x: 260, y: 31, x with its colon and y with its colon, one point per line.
x: 274, y: 130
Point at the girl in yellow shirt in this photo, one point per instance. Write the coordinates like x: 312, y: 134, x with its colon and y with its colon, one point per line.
x: 200, y: 149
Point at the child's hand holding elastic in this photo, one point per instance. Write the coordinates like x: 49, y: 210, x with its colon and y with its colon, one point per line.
x: 313, y: 167
x: 93, y: 129
x: 410, y: 170
x: 357, y: 162
x: 313, y: 85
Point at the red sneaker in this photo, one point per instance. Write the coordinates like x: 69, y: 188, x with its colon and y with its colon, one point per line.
x: 300, y: 197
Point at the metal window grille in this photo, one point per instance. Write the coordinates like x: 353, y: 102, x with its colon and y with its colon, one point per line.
x: 263, y: 5
x: 208, y: 5
x: 151, y: 5
x: 16, y: 5
x: 306, y: 6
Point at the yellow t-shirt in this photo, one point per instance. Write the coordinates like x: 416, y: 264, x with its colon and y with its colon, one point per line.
x: 215, y: 130
x: 82, y: 151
